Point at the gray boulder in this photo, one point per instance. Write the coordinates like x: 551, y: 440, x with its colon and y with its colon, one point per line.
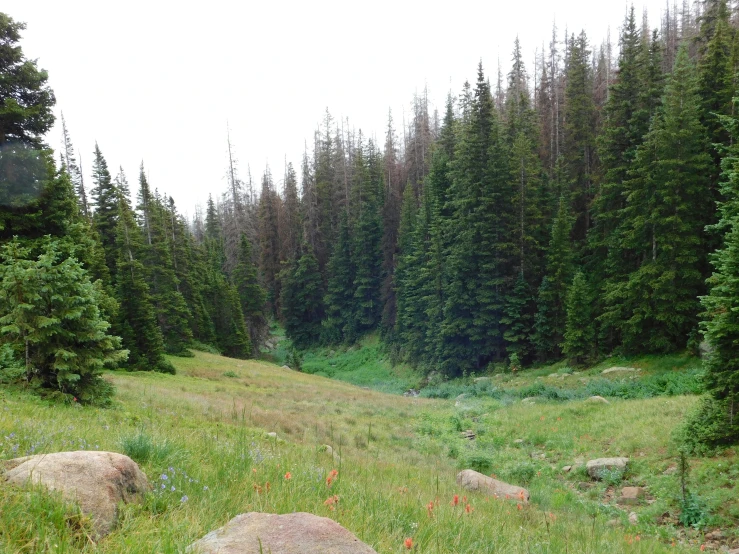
x: 473, y: 481
x: 597, y: 467
x: 298, y: 533
x: 96, y: 481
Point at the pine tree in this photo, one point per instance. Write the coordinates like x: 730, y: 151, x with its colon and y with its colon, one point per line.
x: 27, y: 101
x: 367, y: 238
x: 338, y: 325
x: 172, y: 312
x: 251, y: 293
x: 716, y: 422
x: 75, y: 172
x: 52, y: 322
x: 302, y: 300
x: 667, y: 211
x: 579, y: 134
x: 105, y: 201
x: 551, y: 312
x: 269, y: 243
x: 480, y: 262
x: 136, y: 322
x: 579, y: 336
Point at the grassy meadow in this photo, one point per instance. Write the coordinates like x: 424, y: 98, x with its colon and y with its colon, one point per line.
x: 201, y: 436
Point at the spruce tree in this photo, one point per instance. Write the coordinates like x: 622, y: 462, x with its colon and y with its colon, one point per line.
x: 105, y: 200
x: 666, y: 213
x: 579, y: 134
x: 52, y: 323
x: 302, y: 300
x: 173, y: 315
x: 579, y: 336
x: 251, y: 293
x: 367, y: 249
x: 338, y: 325
x: 136, y: 322
x: 481, y: 260
x: 716, y: 421
x: 551, y: 315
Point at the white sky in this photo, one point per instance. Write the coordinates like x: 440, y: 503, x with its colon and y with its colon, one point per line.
x: 158, y: 80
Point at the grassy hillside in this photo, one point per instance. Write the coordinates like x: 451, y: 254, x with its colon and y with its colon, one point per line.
x: 201, y: 437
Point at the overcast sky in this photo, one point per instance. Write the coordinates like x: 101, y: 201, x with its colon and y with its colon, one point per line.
x: 158, y: 81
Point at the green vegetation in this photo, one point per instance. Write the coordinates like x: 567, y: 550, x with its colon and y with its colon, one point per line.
x: 203, y: 436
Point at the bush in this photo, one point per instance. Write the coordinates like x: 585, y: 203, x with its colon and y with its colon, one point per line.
x: 693, y: 511
x: 141, y: 448
x: 478, y: 462
x: 522, y: 473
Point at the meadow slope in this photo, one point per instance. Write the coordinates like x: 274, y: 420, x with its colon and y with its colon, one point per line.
x: 202, y: 438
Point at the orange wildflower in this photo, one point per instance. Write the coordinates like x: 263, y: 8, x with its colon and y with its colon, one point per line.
x: 267, y: 486
x: 703, y: 547
x: 521, y: 495
x: 331, y: 477
x: 408, y: 543
x: 468, y: 509
x: 519, y: 507
x: 331, y: 501
x: 455, y: 500
x: 288, y: 476
x: 430, y: 508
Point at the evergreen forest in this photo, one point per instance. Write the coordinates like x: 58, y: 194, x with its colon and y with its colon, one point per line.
x: 578, y: 206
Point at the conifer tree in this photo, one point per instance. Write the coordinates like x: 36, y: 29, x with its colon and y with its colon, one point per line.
x: 136, y: 322
x: 106, y: 203
x: 251, y: 293
x: 302, y: 300
x: 667, y: 211
x: 172, y: 312
x: 579, y: 134
x: 579, y: 336
x: 338, y: 324
x: 716, y: 421
x: 269, y: 243
x: 551, y: 312
x: 52, y: 322
x: 367, y: 249
x: 480, y: 262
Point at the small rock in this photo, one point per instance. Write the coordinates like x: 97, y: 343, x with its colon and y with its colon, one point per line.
x: 631, y: 495
x: 272, y: 435
x: 733, y: 551
x: 613, y: 522
x: 529, y: 400
x: 596, y: 467
x: 672, y: 470
x: 633, y: 518
x: 598, y: 399
x: 469, y: 434
x: 716, y: 535
x: 297, y: 533
x: 619, y: 369
x: 411, y: 393
x: 473, y: 481
x: 583, y: 486
x: 97, y: 481
x: 286, y: 367
x: 567, y: 469
x: 518, y: 441
x: 554, y: 375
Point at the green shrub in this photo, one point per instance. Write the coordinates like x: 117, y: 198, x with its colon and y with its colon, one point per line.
x: 522, y: 474
x: 141, y: 448
x: 693, y: 511
x: 230, y: 374
x: 478, y: 462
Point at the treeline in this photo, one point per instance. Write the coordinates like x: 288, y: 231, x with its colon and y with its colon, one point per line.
x: 562, y: 214
x: 91, y: 279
